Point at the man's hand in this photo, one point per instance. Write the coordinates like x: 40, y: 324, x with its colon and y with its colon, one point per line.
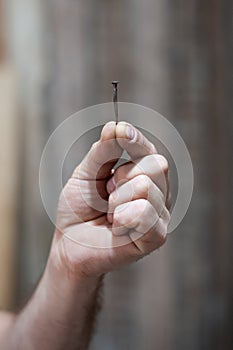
x: 115, y: 218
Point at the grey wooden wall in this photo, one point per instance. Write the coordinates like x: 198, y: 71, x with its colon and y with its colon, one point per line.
x: 175, y: 57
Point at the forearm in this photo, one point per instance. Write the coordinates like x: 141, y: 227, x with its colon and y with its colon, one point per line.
x: 60, y: 315
x: 6, y: 322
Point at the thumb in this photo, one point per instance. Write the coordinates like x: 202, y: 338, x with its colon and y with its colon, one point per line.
x: 102, y: 156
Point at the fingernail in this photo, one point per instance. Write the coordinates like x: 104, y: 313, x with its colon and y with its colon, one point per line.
x: 130, y: 133
x: 111, y: 185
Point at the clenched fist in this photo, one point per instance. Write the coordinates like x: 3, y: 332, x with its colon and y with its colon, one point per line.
x: 109, y: 215
x: 108, y: 218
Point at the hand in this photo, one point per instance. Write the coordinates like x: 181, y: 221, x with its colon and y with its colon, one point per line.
x: 117, y: 217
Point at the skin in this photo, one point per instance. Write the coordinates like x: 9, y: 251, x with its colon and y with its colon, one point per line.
x: 127, y: 211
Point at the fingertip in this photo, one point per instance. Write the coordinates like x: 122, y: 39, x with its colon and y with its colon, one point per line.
x: 125, y: 130
x: 111, y: 185
x: 108, y: 131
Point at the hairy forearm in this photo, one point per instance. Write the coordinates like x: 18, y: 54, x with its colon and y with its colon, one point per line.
x: 60, y: 315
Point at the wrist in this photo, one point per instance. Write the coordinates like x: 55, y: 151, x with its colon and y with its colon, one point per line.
x: 63, y: 292
x: 61, y: 267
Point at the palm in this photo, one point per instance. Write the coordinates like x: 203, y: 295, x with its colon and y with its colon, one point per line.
x: 84, y: 203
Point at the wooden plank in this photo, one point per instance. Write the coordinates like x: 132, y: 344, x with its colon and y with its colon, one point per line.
x: 2, y: 41
x: 24, y: 37
x: 8, y: 183
x: 166, y: 56
x: 202, y: 104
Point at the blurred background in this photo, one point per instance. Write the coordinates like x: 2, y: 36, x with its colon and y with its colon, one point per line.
x: 59, y: 56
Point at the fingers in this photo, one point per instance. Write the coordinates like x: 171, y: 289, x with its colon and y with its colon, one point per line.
x: 133, y: 141
x: 102, y: 156
x: 105, y: 153
x: 140, y: 187
x: 154, y: 166
x: 140, y: 220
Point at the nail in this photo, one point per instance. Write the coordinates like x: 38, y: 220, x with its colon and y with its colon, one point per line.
x: 130, y: 133
x: 115, y: 98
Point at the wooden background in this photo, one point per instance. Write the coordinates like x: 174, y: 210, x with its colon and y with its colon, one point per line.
x: 172, y: 56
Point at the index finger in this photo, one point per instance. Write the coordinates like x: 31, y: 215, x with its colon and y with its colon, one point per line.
x: 102, y: 156
x: 133, y: 141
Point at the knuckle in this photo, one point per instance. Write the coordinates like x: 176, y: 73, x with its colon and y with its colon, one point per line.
x: 163, y: 163
x: 94, y: 145
x: 141, y: 206
x: 142, y: 185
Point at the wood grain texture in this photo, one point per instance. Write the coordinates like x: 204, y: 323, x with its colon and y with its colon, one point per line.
x: 175, y: 57
x: 8, y: 184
